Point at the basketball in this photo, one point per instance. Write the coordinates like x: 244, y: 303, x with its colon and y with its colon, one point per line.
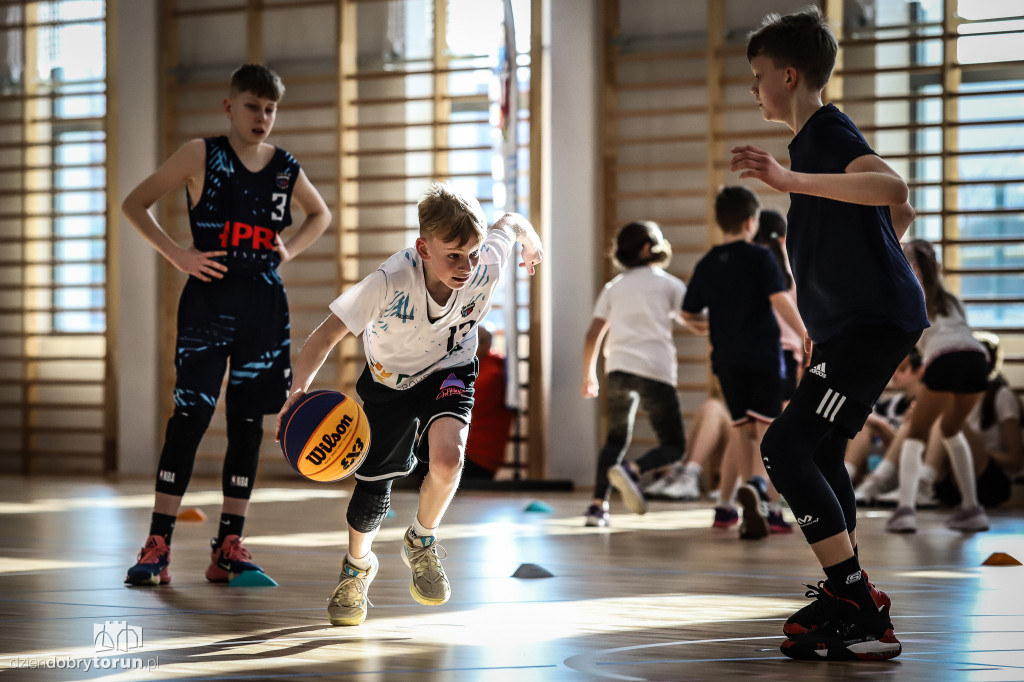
x: 325, y: 436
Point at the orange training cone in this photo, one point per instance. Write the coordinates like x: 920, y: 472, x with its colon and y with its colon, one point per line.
x: 191, y: 514
x: 1000, y: 559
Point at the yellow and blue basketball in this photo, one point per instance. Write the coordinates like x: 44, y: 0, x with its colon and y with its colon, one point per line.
x: 325, y: 436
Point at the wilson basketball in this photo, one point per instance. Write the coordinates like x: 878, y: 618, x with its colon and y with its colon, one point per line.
x: 325, y: 436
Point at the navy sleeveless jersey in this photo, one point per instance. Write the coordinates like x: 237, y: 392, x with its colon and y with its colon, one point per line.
x: 846, y: 258
x: 242, y: 212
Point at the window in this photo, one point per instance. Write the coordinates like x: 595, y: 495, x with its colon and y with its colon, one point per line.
x: 53, y: 343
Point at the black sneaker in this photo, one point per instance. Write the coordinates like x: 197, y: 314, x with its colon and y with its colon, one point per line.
x: 848, y: 634
x: 627, y: 483
x: 814, y: 614
x: 754, y: 525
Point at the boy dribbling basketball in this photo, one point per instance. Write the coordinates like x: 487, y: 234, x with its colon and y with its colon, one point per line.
x: 418, y: 316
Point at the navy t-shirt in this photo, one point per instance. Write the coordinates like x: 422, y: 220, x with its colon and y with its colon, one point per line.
x: 734, y: 282
x: 242, y: 212
x: 846, y: 259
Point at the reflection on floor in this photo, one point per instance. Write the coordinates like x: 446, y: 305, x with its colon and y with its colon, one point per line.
x: 653, y: 597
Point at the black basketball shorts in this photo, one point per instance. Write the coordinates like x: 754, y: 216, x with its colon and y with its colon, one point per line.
x: 242, y: 318
x: 964, y: 371
x: 400, y: 420
x: 750, y: 393
x: 849, y: 371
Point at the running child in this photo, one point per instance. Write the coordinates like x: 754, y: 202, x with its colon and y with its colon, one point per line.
x: 418, y: 316
x: 956, y: 368
x: 732, y: 295
x: 636, y: 311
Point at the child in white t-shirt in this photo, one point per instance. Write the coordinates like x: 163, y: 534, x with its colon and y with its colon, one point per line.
x: 418, y: 316
x: 636, y: 310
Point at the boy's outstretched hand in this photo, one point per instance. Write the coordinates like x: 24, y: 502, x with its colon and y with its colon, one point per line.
x: 533, y: 254
x: 752, y: 162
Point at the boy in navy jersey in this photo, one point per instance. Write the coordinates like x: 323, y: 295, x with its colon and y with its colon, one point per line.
x: 239, y: 191
x: 731, y: 296
x: 418, y: 316
x: 863, y: 309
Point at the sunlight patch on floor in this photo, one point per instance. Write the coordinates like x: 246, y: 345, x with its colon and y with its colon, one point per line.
x: 573, y: 525
x: 18, y: 565
x: 382, y: 638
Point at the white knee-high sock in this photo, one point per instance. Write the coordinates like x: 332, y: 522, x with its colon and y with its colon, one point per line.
x: 911, y: 455
x: 963, y: 468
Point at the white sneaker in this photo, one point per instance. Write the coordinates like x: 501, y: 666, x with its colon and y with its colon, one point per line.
x: 925, y: 498
x: 657, y: 488
x: 684, y: 489
x: 868, y: 491
x: 903, y: 520
x: 972, y: 520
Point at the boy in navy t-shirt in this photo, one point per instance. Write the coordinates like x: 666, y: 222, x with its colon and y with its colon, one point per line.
x: 731, y: 295
x: 863, y: 309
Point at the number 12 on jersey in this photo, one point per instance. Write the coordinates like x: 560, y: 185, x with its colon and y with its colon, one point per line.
x: 452, y: 330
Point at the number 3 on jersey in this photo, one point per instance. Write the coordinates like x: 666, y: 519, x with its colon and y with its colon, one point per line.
x: 467, y: 326
x: 280, y: 200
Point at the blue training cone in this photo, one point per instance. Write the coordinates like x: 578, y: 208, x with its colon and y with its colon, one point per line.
x: 539, y: 507
x: 391, y: 514
x: 252, y: 579
x: 532, y: 571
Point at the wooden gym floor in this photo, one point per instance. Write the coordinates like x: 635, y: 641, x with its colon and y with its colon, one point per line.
x: 657, y: 597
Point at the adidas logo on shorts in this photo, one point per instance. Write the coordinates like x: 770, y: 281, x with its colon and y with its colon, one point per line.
x: 819, y: 369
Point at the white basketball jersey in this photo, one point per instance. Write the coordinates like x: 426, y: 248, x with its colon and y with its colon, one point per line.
x: 390, y: 309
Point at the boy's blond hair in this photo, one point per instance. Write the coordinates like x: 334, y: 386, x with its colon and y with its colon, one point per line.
x: 449, y: 215
x: 258, y: 80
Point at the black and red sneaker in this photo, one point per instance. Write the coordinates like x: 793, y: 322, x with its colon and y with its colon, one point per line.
x: 228, y: 559
x: 153, y: 564
x: 848, y: 634
x: 813, y: 615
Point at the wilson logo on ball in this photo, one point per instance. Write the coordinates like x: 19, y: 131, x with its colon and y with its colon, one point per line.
x: 325, y: 436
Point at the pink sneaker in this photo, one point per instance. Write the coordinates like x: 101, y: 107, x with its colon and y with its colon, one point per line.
x: 777, y: 524
x: 152, y: 567
x: 725, y: 517
x: 229, y: 559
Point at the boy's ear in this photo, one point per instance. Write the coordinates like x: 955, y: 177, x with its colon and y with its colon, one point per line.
x: 227, y: 105
x: 421, y: 248
x: 792, y: 78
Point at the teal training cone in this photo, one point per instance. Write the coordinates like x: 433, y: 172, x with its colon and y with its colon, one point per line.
x: 391, y: 514
x: 539, y: 507
x: 252, y: 579
x: 529, y: 571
